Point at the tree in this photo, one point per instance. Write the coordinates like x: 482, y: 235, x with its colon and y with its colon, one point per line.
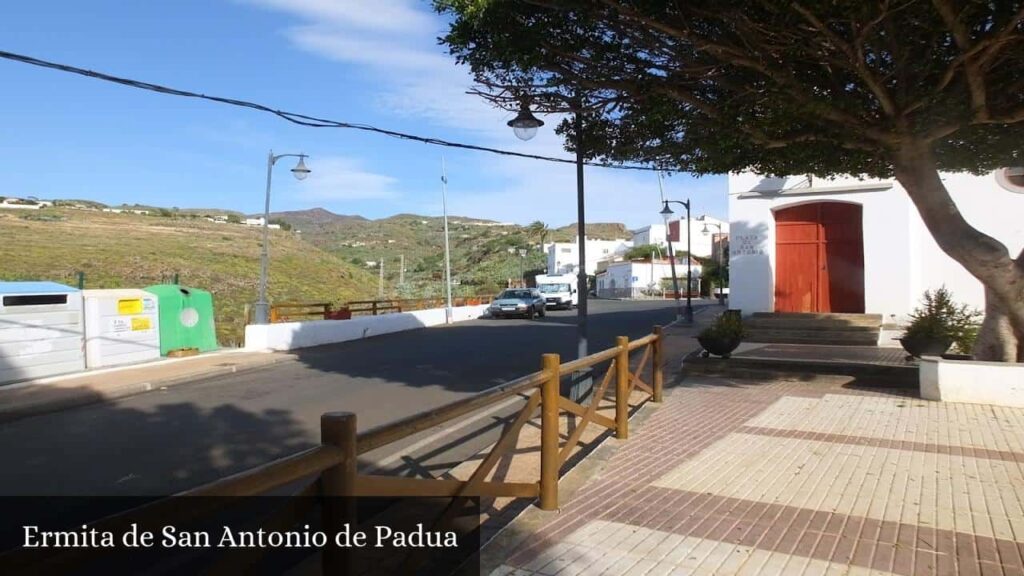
x: 880, y: 89
x: 280, y: 222
x: 538, y: 230
x: 644, y: 252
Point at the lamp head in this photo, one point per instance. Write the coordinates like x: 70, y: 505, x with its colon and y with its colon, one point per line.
x: 705, y: 231
x: 300, y: 171
x: 525, y: 124
x: 666, y: 211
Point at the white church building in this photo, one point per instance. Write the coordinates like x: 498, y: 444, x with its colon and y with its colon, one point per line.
x: 858, y: 246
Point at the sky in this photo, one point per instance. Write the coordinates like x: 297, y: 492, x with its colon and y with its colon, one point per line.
x: 370, y: 62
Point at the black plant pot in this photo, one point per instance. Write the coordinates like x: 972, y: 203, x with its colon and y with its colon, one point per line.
x: 719, y: 346
x: 918, y: 346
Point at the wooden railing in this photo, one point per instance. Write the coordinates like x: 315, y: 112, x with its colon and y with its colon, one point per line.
x: 332, y: 465
x: 376, y: 307
x: 298, y: 311
x: 292, y: 311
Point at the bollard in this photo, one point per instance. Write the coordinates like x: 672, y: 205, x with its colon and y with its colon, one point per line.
x: 657, y: 374
x: 622, y: 388
x: 338, y: 483
x: 549, y: 432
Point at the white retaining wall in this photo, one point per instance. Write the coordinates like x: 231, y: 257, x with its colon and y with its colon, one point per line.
x: 292, y: 335
x: 974, y: 382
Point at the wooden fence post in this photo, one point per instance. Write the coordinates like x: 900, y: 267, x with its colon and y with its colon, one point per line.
x: 549, y: 432
x: 658, y: 358
x: 374, y: 307
x: 338, y: 484
x: 622, y: 388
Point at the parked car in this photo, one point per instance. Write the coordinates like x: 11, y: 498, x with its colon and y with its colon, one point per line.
x: 526, y: 302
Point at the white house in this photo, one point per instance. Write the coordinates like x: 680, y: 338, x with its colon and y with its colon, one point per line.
x: 653, y: 234
x: 563, y: 257
x: 19, y: 204
x: 705, y: 234
x: 259, y: 222
x: 638, y: 278
x: 851, y: 245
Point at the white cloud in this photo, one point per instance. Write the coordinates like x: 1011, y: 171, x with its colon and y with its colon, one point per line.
x: 395, y: 39
x: 342, y: 178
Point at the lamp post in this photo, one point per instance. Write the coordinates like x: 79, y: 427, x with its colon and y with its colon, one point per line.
x: 447, y: 252
x: 721, y: 259
x: 262, y: 311
x: 666, y: 212
x: 525, y: 126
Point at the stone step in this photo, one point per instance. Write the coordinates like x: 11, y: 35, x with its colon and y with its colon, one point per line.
x: 825, y: 337
x: 875, y: 319
x: 855, y: 375
x: 810, y: 324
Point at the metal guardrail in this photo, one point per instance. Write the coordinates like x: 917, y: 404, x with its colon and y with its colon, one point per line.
x: 333, y: 463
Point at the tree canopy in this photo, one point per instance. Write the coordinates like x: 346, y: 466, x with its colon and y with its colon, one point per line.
x: 779, y: 87
x: 879, y: 88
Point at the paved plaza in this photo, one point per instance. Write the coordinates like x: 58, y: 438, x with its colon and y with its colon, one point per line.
x: 743, y: 477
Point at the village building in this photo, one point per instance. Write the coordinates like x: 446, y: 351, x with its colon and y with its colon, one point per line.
x: 849, y: 245
x: 563, y: 257
x: 645, y: 278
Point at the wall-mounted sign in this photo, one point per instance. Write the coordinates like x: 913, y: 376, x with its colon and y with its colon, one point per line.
x: 746, y: 244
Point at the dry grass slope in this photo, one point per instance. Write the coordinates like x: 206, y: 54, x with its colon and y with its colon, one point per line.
x: 125, y: 250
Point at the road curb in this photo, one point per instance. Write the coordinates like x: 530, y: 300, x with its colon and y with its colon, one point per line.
x: 79, y: 397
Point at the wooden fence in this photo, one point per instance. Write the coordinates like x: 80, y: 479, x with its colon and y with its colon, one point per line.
x: 299, y: 311
x: 330, y: 469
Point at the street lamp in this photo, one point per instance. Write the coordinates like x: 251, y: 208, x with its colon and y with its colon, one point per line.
x: 525, y: 126
x: 666, y: 213
x: 300, y: 172
x: 721, y: 258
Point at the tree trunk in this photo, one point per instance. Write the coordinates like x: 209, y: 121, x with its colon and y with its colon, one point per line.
x: 984, y: 257
x: 997, y: 341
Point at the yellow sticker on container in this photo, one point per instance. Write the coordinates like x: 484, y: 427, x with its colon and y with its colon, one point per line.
x: 129, y: 306
x: 140, y: 323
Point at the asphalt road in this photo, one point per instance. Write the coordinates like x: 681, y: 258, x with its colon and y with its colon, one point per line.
x: 177, y: 438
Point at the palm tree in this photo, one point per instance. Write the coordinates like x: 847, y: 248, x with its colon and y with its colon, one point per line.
x: 538, y: 230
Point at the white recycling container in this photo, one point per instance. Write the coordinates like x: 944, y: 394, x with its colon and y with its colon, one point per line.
x: 121, y: 327
x: 41, y: 330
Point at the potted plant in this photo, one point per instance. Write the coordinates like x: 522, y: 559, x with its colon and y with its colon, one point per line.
x: 938, y: 324
x: 722, y: 336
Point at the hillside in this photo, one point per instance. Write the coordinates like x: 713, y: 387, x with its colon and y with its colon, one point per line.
x: 485, y: 254
x: 127, y: 250
x: 595, y: 230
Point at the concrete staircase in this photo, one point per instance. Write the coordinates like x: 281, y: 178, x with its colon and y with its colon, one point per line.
x: 802, y: 328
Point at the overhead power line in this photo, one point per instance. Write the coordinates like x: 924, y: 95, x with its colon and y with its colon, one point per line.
x: 294, y: 117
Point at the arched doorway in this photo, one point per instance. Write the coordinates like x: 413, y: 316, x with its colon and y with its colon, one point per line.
x: 819, y: 258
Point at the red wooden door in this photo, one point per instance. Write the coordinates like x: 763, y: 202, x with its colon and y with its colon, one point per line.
x: 819, y: 258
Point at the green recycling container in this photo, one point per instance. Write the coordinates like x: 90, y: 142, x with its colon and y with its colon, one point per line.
x: 186, y: 318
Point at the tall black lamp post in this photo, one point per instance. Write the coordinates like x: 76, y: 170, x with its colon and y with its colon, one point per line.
x: 525, y: 126
x: 666, y: 213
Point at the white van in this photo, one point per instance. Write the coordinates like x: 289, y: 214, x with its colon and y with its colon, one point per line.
x: 559, y: 291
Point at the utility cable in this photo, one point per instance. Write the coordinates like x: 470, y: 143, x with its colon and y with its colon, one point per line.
x: 297, y: 118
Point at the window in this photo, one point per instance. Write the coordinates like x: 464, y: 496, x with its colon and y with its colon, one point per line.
x: 566, y: 250
x: 605, y: 251
x: 1011, y: 178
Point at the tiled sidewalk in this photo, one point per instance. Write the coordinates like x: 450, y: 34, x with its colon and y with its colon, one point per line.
x: 736, y: 477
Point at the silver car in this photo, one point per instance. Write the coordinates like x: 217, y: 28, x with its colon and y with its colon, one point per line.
x: 526, y: 302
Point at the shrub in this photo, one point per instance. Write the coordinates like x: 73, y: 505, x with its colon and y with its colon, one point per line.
x: 725, y: 327
x: 940, y: 317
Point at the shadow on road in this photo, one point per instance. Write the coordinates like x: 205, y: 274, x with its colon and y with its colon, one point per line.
x: 472, y: 356
x: 106, y: 449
